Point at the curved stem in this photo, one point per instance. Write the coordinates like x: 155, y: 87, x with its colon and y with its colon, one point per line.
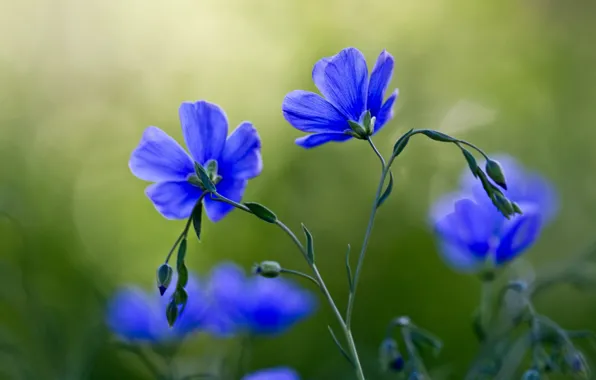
x: 185, y: 231
x: 300, y: 274
x: 371, y: 222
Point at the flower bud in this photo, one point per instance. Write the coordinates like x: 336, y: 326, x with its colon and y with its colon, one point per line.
x: 495, y: 172
x: 164, y: 277
x: 390, y: 357
x: 503, y: 204
x: 268, y: 269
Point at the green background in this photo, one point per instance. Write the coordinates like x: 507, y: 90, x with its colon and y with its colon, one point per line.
x: 79, y: 82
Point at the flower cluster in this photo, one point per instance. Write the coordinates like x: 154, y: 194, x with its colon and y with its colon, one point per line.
x: 473, y: 235
x: 227, y: 303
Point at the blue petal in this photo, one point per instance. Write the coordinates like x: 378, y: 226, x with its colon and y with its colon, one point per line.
x: 470, y: 225
x: 343, y: 80
x: 205, y: 128
x: 174, y: 200
x: 225, y: 291
x: 317, y: 139
x: 230, y: 188
x: 131, y: 315
x: 158, y: 157
x: 241, y: 157
x: 192, y: 317
x: 279, y: 373
x: 386, y: 112
x: 379, y: 80
x: 459, y: 258
x: 272, y: 306
x: 519, y: 233
x: 309, y: 112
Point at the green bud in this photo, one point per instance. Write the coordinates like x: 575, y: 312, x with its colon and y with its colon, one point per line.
x: 268, y: 269
x: 531, y: 374
x: 164, y: 277
x: 358, y: 130
x: 172, y: 312
x: 503, y: 204
x: 516, y: 208
x: 369, y: 123
x: 495, y: 172
x: 204, y: 179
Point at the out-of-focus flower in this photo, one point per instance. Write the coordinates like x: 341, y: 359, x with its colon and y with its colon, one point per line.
x: 471, y: 231
x: 138, y: 316
x: 279, y: 373
x: 348, y: 94
x: 254, y: 305
x: 232, y: 161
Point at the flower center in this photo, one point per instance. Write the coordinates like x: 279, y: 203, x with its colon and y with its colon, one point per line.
x: 211, y: 169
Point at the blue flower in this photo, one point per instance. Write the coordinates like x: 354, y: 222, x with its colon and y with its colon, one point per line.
x: 137, y: 316
x: 348, y: 94
x: 254, y: 305
x: 159, y: 158
x: 472, y: 231
x: 279, y: 373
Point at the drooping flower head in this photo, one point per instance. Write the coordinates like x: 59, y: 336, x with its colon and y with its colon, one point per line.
x: 255, y: 305
x: 138, y: 316
x: 279, y: 373
x: 348, y: 93
x: 471, y: 231
x: 230, y: 161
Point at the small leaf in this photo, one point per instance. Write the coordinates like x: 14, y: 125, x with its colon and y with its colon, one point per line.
x: 472, y: 164
x: 181, y: 298
x: 310, y: 247
x: 424, y: 338
x: 349, y: 270
x: 401, y: 143
x: 182, y: 275
x: 197, y: 217
x: 172, y: 312
x: 437, y: 136
x: 358, y: 130
x: 387, y: 191
x: 204, y: 178
x: 261, y: 212
x: 181, y: 253
x: 339, y: 346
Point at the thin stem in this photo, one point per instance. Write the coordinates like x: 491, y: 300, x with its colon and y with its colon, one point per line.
x: 185, y: 231
x: 486, y: 296
x: 151, y: 366
x: 369, y: 228
x: 300, y: 274
x: 317, y: 278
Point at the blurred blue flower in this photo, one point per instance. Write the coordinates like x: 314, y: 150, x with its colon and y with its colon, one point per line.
x: 254, y: 305
x: 159, y: 158
x: 279, y: 373
x: 348, y: 93
x: 471, y: 231
x: 138, y: 316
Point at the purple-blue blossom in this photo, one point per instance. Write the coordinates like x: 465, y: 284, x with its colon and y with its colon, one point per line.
x: 471, y: 231
x: 348, y: 93
x: 253, y: 304
x: 139, y: 316
x: 279, y: 373
x: 233, y: 160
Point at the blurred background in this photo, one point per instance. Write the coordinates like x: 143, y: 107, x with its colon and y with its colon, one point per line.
x: 81, y: 80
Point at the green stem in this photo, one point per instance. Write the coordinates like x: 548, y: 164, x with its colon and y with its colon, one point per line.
x: 299, y: 274
x: 185, y: 231
x: 318, y: 279
x: 369, y: 228
x: 486, y: 297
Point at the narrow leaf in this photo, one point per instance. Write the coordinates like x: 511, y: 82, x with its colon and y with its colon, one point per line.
x: 310, y: 247
x: 261, y: 212
x: 181, y: 298
x: 339, y: 346
x: 172, y: 312
x: 182, y: 275
x: 472, y: 164
x: 197, y: 218
x: 181, y: 253
x: 349, y: 270
x: 401, y: 143
x: 387, y: 191
x: 438, y: 136
x: 204, y: 178
x: 424, y: 338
